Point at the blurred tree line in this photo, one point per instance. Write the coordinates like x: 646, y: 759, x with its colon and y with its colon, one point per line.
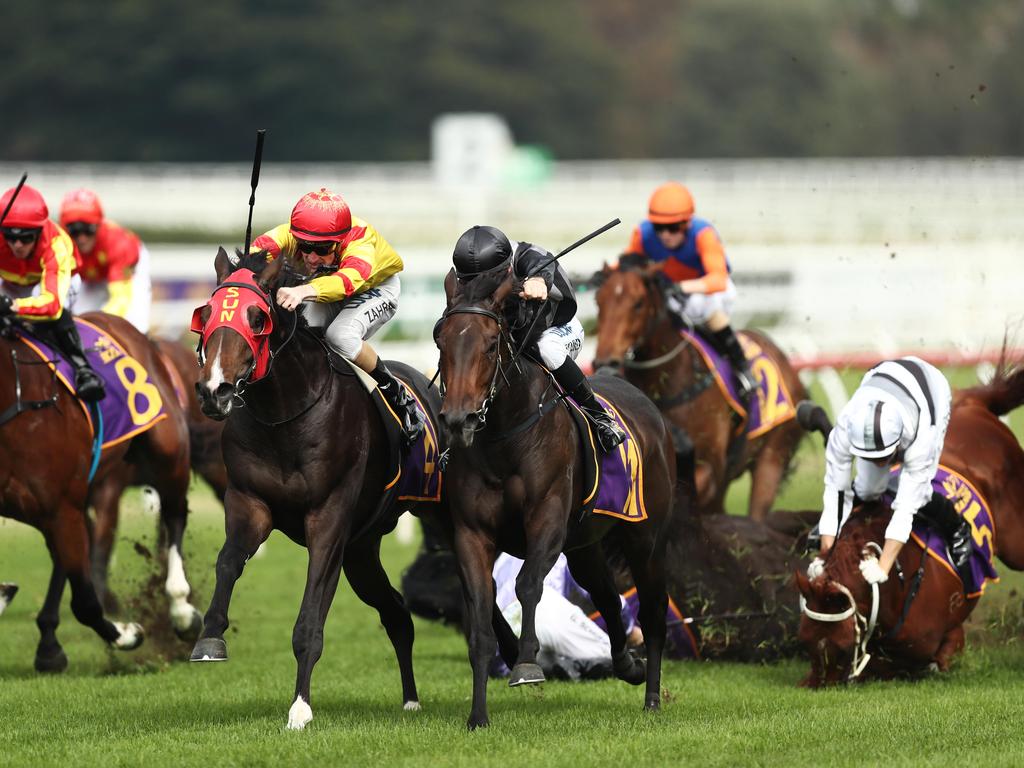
x: 349, y: 80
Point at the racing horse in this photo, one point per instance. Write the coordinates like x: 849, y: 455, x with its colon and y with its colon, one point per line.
x: 182, y: 369
x: 514, y: 483
x: 636, y: 335
x: 915, y: 618
x: 46, y: 453
x: 307, y: 455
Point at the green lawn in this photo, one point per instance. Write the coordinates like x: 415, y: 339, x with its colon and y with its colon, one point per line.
x: 126, y: 709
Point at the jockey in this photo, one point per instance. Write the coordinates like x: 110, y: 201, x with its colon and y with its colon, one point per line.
x: 689, y: 252
x: 37, y: 262
x: 898, y: 415
x: 354, y: 289
x: 115, y: 263
x: 558, y: 334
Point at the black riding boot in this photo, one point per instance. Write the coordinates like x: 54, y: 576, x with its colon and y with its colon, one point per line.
x: 400, y: 400
x: 956, y: 531
x: 64, y: 334
x: 727, y: 343
x: 571, y: 379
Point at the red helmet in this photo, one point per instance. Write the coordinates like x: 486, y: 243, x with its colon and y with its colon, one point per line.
x: 29, y: 210
x: 81, y: 205
x: 671, y: 203
x: 321, y: 216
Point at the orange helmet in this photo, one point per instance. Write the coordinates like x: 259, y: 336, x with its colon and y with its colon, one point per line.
x: 29, y: 210
x: 671, y: 203
x: 81, y: 205
x: 321, y: 216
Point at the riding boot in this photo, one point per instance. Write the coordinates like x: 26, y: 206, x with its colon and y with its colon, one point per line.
x: 727, y: 343
x: 571, y: 379
x: 957, y: 533
x: 400, y: 400
x: 64, y: 334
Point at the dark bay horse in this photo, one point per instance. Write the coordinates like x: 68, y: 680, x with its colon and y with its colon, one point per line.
x: 307, y: 455
x: 515, y: 483
x: 920, y: 625
x: 636, y: 335
x: 45, y: 457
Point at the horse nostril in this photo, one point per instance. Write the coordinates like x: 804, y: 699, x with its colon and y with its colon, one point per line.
x: 224, y: 390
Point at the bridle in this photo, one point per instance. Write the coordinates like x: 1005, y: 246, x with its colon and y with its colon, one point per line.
x: 863, y: 627
x: 481, y: 412
x: 629, y: 359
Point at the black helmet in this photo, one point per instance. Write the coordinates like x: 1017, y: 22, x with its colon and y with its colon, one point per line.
x: 480, y: 249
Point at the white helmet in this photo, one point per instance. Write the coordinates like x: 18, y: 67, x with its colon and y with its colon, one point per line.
x: 874, y: 430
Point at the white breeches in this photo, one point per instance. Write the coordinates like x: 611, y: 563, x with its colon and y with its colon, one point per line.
x: 560, y: 342
x: 356, y: 318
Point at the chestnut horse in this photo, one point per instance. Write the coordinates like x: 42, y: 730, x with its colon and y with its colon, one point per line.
x: 46, y: 450
x: 636, y: 336
x: 307, y: 455
x: 515, y: 484
x: 919, y: 610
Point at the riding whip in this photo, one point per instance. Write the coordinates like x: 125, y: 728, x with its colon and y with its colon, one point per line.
x: 577, y: 244
x: 14, y: 197
x: 256, y: 161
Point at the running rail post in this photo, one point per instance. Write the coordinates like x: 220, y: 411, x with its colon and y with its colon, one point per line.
x: 257, y: 160
x: 14, y: 197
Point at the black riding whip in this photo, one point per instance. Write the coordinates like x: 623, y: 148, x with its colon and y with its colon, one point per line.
x: 577, y: 244
x: 256, y: 162
x: 14, y: 197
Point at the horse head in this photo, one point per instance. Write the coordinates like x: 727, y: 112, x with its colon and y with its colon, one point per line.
x: 630, y: 301
x: 235, y: 328
x: 839, y: 607
x: 472, y: 337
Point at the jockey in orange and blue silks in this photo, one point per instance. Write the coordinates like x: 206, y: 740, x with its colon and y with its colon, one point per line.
x: 690, y: 253
x: 38, y: 266
x: 354, y: 289
x: 114, y: 262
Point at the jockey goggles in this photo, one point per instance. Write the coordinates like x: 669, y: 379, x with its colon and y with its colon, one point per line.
x: 76, y: 228
x: 320, y: 249
x: 229, y: 308
x: 673, y: 228
x: 20, y: 235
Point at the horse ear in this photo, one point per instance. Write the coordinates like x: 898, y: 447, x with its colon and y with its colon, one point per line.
x: 803, y: 584
x: 451, y: 286
x: 222, y: 265
x: 269, y: 275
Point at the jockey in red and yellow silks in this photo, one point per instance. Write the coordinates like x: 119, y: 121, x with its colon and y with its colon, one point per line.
x: 354, y: 288
x: 690, y: 253
x: 37, y: 264
x: 114, y: 262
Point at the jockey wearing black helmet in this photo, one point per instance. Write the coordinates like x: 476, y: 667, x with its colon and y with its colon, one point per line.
x: 554, y: 330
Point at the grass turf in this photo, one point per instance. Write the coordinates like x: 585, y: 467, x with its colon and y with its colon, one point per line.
x: 126, y: 709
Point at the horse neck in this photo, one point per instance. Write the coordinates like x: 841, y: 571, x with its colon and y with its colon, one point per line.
x: 299, y: 371
x: 515, y: 401
x: 666, y: 378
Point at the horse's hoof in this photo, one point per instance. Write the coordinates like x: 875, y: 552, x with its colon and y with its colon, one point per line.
x: 652, y: 703
x: 210, y: 649
x: 478, y: 722
x: 411, y: 706
x: 300, y: 715
x: 629, y: 668
x: 190, y: 631
x: 51, y: 662
x: 130, y: 636
x: 525, y: 673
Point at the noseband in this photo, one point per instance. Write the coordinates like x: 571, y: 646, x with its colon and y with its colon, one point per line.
x: 629, y: 360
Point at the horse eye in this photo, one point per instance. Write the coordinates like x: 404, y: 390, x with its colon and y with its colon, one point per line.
x: 638, y: 304
x: 258, y: 322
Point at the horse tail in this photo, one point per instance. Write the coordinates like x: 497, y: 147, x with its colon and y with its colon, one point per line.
x: 1003, y: 393
x: 812, y: 418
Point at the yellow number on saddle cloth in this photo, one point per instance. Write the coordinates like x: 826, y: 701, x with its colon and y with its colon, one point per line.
x: 138, y: 386
x: 770, y: 386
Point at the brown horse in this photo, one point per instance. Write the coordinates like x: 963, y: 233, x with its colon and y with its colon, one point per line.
x: 637, y: 336
x: 45, y: 455
x: 515, y: 483
x: 306, y: 452
x: 921, y: 608
x: 182, y: 371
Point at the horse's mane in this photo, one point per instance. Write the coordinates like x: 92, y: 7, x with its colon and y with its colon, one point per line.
x: 1004, y: 392
x: 482, y: 286
x: 256, y: 261
x: 866, y: 524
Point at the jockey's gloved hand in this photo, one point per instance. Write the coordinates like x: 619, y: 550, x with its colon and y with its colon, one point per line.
x: 6, y: 305
x: 872, y: 571
x: 816, y: 568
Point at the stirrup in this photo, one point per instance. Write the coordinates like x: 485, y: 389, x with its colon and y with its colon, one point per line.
x: 609, y: 435
x: 89, y: 386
